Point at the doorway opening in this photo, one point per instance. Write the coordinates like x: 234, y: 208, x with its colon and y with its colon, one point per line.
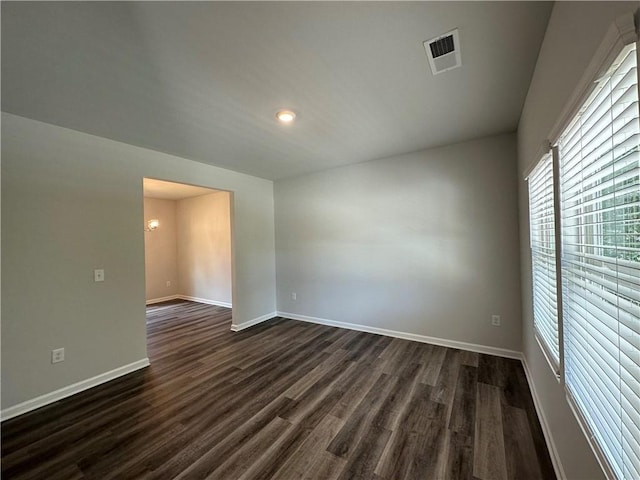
x: 188, y: 244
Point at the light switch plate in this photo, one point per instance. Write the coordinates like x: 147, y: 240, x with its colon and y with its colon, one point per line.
x: 57, y: 355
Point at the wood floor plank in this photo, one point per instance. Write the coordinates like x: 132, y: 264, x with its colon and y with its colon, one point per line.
x: 445, y: 387
x: 517, y: 393
x: 362, y: 463
x: 342, y: 339
x: 326, y: 366
x: 396, y: 400
x: 357, y: 423
x: 241, y: 458
x: 469, y: 358
x: 319, y: 392
x: 492, y: 370
x: 309, y: 452
x: 463, y: 411
x: 395, y: 461
x: 430, y: 454
x: 286, y: 400
x: 459, y: 464
x: 489, y: 461
x: 518, y: 444
x: 362, y: 379
x: 326, y: 466
x: 432, y: 372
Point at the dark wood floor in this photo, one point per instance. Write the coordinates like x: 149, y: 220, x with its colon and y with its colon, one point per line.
x: 286, y: 400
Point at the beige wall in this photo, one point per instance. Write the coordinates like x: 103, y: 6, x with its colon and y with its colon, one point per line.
x: 71, y: 202
x: 160, y: 249
x: 424, y: 243
x: 574, y: 33
x: 191, y: 249
x: 204, y: 247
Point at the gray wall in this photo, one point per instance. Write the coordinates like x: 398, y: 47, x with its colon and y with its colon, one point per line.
x: 424, y: 243
x: 72, y: 202
x: 575, y: 31
x: 204, y: 247
x: 160, y: 249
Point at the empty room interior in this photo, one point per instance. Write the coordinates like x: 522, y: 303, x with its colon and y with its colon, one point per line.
x: 320, y: 240
x: 187, y: 243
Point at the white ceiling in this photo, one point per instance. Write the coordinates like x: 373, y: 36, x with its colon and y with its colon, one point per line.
x: 203, y: 80
x: 172, y: 191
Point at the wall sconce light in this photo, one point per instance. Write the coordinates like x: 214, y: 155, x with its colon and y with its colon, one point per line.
x: 152, y: 225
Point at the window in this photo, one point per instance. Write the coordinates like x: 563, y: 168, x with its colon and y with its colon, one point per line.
x: 600, y: 214
x: 543, y: 257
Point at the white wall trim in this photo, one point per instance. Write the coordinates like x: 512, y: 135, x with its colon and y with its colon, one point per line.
x: 543, y: 149
x: 621, y: 32
x: 553, y: 451
x: 69, y: 390
x: 472, y: 347
x: 187, y: 297
x: 236, y: 327
x: 204, y: 300
x: 151, y: 301
x: 586, y: 431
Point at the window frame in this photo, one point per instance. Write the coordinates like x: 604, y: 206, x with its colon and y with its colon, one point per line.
x: 591, y: 204
x: 622, y: 32
x: 556, y: 365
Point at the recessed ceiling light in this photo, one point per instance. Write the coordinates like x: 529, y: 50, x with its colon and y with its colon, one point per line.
x: 285, y: 116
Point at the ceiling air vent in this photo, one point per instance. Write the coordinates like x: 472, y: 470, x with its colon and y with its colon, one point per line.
x: 443, y: 52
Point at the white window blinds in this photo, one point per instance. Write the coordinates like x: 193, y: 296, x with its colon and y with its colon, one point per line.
x: 600, y: 205
x: 543, y: 257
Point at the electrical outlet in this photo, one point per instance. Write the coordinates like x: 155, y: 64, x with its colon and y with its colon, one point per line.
x: 495, y: 320
x: 294, y: 296
x: 57, y: 355
x: 98, y: 275
x: 168, y: 283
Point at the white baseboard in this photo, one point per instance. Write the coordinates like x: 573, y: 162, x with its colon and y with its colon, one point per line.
x: 472, y: 347
x: 65, y: 392
x: 204, y: 300
x: 151, y: 301
x: 250, y: 323
x: 187, y: 297
x: 553, y: 451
